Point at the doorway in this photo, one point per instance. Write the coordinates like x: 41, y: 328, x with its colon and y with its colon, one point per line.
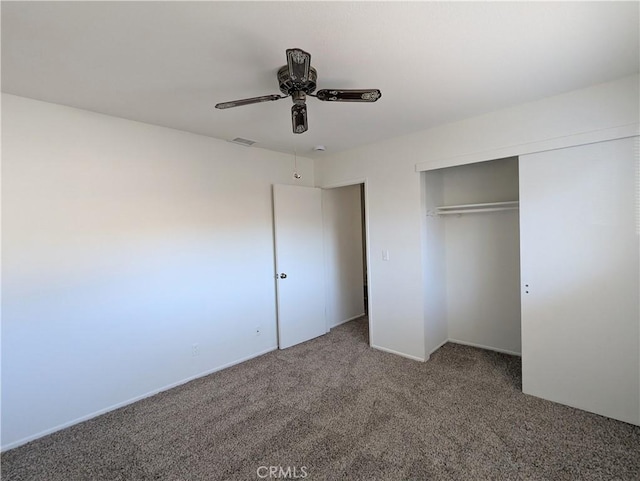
x: 346, y: 272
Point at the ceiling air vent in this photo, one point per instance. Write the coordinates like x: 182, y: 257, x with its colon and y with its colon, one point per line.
x: 241, y: 141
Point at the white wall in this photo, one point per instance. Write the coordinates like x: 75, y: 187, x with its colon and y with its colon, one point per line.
x: 123, y: 245
x: 397, y: 290
x: 605, y: 111
x: 394, y: 223
x: 482, y: 256
x: 434, y: 263
x: 342, y: 219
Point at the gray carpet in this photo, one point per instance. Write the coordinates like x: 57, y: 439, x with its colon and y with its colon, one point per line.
x: 342, y: 411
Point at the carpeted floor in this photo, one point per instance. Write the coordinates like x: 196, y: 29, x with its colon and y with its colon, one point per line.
x: 335, y: 409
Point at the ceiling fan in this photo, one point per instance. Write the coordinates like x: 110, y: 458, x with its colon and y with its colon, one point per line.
x: 297, y: 79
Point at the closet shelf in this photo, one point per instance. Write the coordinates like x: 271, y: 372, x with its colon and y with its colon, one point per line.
x: 473, y: 208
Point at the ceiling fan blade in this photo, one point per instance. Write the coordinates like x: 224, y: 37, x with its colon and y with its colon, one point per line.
x: 299, y: 63
x: 253, y: 100
x: 299, y: 118
x: 370, y: 95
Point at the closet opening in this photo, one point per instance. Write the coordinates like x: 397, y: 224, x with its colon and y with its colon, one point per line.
x: 472, y: 256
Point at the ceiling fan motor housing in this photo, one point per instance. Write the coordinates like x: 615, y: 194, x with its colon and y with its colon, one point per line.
x: 289, y: 87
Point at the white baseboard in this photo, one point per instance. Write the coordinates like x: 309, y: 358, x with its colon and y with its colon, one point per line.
x: 46, y: 432
x: 346, y: 320
x: 489, y: 348
x: 438, y: 346
x: 397, y: 353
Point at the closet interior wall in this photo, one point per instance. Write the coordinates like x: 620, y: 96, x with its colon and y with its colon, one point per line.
x: 472, y: 260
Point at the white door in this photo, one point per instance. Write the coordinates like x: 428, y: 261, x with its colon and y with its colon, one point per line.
x: 579, y: 228
x: 299, y: 264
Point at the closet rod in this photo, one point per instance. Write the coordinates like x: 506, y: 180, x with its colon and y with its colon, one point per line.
x: 509, y: 203
x: 471, y: 211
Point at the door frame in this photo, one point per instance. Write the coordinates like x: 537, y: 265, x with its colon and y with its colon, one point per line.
x: 346, y: 183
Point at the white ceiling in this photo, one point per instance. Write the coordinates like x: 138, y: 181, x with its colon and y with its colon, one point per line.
x: 169, y: 63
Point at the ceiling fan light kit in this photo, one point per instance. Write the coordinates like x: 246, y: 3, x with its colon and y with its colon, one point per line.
x: 297, y: 80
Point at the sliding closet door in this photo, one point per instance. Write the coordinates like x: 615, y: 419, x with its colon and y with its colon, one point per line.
x: 579, y: 225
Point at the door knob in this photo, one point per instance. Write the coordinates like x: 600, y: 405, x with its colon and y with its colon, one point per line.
x: 283, y: 276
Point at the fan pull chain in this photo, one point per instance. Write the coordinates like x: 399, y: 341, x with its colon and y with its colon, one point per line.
x: 296, y: 175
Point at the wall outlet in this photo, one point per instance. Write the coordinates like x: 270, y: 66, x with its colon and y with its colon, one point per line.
x: 195, y: 350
